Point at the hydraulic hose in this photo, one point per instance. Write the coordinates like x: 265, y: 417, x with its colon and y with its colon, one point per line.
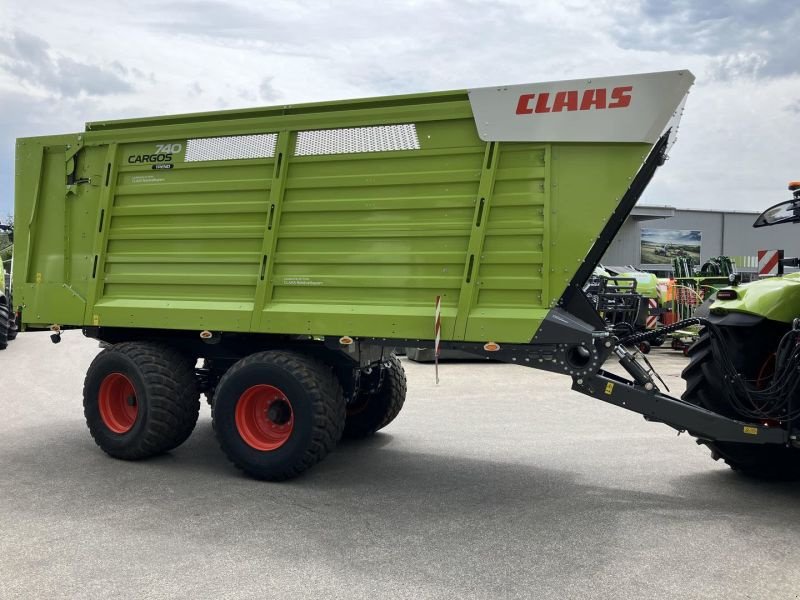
x: 654, y: 333
x: 748, y: 397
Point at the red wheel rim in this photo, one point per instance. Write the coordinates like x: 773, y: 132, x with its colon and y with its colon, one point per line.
x: 264, y: 417
x: 118, y: 405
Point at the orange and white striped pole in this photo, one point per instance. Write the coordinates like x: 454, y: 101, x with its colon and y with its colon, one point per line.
x: 437, y: 332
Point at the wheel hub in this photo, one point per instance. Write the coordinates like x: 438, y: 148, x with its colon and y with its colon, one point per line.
x: 279, y: 412
x: 117, y: 403
x: 264, y: 417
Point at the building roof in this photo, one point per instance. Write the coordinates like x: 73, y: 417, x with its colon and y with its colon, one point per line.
x: 657, y: 209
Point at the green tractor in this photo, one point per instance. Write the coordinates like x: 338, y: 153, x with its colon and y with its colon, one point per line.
x: 745, y: 363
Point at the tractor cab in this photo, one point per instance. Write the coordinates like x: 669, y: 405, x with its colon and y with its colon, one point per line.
x: 784, y: 212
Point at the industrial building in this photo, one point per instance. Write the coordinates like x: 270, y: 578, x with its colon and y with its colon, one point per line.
x: 667, y: 231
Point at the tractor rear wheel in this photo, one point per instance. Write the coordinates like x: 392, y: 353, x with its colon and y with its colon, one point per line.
x: 140, y: 399
x: 278, y: 413
x: 750, y: 348
x: 374, y: 409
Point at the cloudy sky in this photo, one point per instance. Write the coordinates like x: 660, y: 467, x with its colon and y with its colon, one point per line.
x: 739, y: 143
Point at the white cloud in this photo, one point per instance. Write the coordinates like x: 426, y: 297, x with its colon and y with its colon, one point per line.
x: 737, y: 142
x: 27, y: 59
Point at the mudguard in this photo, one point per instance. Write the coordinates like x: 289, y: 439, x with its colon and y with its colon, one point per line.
x: 776, y: 299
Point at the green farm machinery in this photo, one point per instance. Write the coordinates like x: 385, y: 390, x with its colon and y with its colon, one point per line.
x: 628, y: 300
x: 291, y: 248
x: 8, y: 321
x: 692, y: 287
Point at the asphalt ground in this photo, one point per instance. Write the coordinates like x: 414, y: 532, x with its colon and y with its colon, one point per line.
x: 498, y: 483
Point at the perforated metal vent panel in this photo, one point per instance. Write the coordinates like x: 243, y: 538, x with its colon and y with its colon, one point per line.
x: 382, y: 138
x: 235, y: 147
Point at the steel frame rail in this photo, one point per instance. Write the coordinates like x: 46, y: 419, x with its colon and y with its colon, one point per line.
x: 655, y: 406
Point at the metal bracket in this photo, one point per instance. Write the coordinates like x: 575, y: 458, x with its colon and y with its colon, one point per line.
x: 680, y: 415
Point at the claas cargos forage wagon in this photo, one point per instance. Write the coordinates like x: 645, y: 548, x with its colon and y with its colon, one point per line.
x: 271, y: 258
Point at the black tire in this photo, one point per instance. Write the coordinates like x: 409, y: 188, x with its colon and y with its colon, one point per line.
x: 374, y: 410
x: 13, y: 328
x: 3, y: 326
x: 749, y: 347
x: 310, y: 397
x: 165, y: 396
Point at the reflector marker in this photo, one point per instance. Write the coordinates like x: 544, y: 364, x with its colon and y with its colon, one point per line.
x: 769, y: 262
x: 652, y: 314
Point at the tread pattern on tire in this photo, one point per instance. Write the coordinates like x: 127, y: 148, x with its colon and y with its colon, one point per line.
x: 4, y: 326
x: 13, y: 327
x: 319, y: 381
x: 704, y: 388
x: 172, y: 396
x: 397, y: 383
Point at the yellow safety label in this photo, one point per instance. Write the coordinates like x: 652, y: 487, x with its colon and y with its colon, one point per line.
x: 38, y: 278
x: 751, y: 430
x: 609, y: 388
x: 95, y: 320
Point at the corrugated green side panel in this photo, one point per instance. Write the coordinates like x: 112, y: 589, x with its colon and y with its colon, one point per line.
x: 184, y: 244
x: 510, y: 276
x: 366, y: 242
x: 355, y: 244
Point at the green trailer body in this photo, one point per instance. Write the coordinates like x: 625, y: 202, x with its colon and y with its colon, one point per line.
x: 290, y: 248
x: 263, y: 220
